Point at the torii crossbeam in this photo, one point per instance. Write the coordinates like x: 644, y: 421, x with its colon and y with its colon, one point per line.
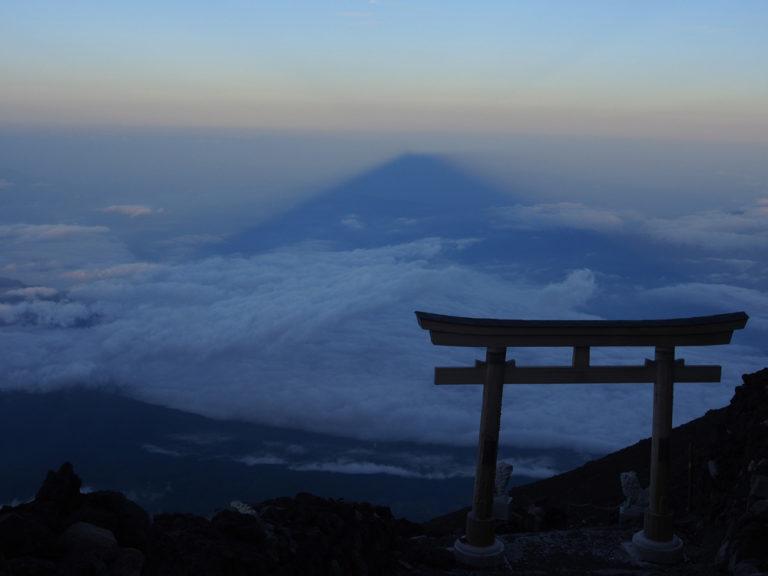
x: 657, y: 541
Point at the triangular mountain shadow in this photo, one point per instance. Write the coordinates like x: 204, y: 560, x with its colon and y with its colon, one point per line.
x: 409, y: 197
x: 415, y: 196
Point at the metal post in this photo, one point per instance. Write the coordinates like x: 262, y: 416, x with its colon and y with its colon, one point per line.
x: 480, y: 531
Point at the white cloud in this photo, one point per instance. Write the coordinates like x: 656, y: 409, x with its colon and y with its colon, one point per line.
x: 353, y: 222
x: 201, y: 438
x: 42, y: 253
x: 529, y: 467
x: 130, y: 210
x: 415, y: 462
x: 46, y: 313
x: 351, y: 467
x: 724, y: 297
x: 117, y: 271
x: 261, y: 460
x: 532, y: 467
x: 717, y: 230
x: 557, y: 215
x: 154, y: 449
x: 31, y: 293
x: 191, y: 240
x: 47, y: 232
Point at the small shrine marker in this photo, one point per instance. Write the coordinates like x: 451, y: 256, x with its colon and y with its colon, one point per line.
x: 657, y: 541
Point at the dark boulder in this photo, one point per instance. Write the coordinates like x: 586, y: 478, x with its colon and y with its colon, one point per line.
x: 82, y: 537
x: 111, y: 510
x: 29, y: 566
x: 243, y: 527
x: 190, y: 545
x: 22, y: 534
x: 129, y: 562
x: 61, y: 488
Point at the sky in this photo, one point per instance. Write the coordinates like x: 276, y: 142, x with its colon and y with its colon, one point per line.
x: 583, y: 160
x: 688, y: 70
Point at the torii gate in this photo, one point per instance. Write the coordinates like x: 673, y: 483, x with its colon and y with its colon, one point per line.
x: 657, y: 541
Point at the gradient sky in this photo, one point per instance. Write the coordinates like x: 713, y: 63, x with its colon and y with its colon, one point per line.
x: 694, y: 70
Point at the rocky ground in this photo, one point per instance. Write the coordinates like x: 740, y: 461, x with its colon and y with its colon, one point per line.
x: 563, y: 525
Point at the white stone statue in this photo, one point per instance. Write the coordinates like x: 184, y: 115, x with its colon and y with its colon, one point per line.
x: 501, y: 499
x: 635, y: 496
x: 503, y: 474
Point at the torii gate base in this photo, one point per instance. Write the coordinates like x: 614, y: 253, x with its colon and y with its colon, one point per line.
x: 478, y: 556
x: 643, y: 549
x: 657, y: 541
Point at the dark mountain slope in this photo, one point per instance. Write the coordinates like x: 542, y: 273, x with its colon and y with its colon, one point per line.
x: 172, y: 460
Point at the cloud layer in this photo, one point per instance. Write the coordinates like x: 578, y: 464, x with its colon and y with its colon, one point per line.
x: 719, y: 230
x: 327, y: 341
x: 130, y: 210
x: 47, y: 232
x: 50, y: 253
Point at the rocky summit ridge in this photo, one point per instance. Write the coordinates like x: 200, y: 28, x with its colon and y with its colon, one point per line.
x: 567, y: 524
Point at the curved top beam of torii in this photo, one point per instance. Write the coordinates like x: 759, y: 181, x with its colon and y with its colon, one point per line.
x: 486, y: 332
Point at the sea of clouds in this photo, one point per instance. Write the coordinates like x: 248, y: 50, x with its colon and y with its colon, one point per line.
x: 326, y: 340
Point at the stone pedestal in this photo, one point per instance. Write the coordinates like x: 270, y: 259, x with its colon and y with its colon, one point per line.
x: 646, y: 550
x: 478, y: 556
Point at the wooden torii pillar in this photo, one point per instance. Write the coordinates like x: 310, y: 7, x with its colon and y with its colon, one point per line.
x: 657, y: 541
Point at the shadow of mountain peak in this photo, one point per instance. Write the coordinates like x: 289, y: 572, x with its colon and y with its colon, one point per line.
x: 412, y: 178
x: 410, y: 196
